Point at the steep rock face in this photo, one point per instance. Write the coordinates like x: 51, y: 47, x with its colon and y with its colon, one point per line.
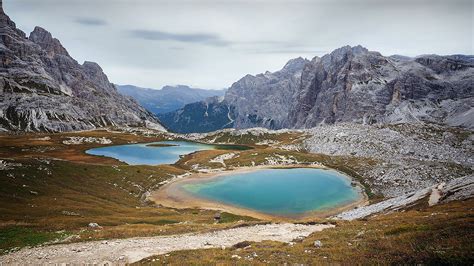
x: 264, y: 100
x: 43, y: 89
x: 169, y: 98
x: 46, y: 41
x: 204, y: 116
x: 352, y: 84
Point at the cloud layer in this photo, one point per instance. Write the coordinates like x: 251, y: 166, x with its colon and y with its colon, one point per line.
x: 91, y: 21
x: 213, y: 43
x: 201, y: 38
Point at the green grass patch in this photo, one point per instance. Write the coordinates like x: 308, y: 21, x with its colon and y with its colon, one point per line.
x: 157, y: 222
x: 232, y: 147
x: 17, y: 237
x: 230, y: 218
x: 408, y: 228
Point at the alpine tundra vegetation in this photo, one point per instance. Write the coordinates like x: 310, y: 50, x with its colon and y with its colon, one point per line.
x: 351, y: 157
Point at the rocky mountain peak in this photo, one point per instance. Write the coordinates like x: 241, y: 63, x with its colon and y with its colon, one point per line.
x: 359, y: 49
x: 340, y: 56
x: 347, y: 50
x: 95, y: 73
x: 2, y: 13
x: 42, y: 88
x: 295, y: 64
x: 7, y: 25
x: 349, y: 85
x: 44, y: 39
x: 92, y: 67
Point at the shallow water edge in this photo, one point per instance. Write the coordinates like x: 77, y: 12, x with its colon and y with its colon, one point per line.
x: 173, y: 195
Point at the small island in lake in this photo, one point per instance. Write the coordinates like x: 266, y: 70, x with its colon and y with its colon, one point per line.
x: 161, y: 145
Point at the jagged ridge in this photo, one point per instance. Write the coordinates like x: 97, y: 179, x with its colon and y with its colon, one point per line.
x: 353, y: 84
x: 42, y: 88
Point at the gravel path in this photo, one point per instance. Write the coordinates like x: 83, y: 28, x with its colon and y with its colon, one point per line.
x: 122, y: 251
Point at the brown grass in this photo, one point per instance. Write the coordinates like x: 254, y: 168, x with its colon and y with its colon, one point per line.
x: 438, y: 235
x: 71, y: 189
x: 65, y: 189
x: 27, y: 145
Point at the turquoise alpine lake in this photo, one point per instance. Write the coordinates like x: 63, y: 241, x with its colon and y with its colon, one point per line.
x: 163, y: 152
x: 280, y: 192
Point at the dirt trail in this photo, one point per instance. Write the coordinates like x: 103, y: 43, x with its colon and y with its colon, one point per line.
x: 122, y: 251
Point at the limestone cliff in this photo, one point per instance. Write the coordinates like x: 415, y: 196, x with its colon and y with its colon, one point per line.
x: 42, y: 88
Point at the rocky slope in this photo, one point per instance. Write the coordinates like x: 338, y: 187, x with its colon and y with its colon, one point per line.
x: 263, y: 100
x: 457, y: 189
x: 42, y: 88
x: 399, y: 158
x: 352, y: 84
x: 167, y: 99
x: 390, y: 159
x: 204, y: 116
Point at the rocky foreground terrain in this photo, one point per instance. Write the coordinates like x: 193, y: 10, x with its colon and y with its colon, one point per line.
x: 457, y: 189
x: 404, y: 157
x: 392, y: 160
x: 351, y: 85
x: 42, y: 88
x: 132, y: 250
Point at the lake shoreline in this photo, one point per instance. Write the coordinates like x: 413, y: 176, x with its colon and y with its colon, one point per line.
x: 173, y: 196
x: 157, y: 152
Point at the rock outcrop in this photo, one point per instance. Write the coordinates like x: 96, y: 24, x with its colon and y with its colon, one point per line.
x: 457, y: 189
x: 42, y: 88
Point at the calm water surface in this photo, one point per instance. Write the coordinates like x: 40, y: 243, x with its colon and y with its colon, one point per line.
x: 143, y: 153
x: 283, y: 192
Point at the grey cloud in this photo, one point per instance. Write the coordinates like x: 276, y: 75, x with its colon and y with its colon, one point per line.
x: 90, y: 21
x: 203, y: 38
x: 176, y: 48
x: 212, y: 43
x: 275, y: 47
x: 290, y: 51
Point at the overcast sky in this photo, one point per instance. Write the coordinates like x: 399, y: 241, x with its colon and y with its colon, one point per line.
x: 211, y: 44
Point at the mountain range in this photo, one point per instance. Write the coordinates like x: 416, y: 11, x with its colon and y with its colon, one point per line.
x: 208, y: 115
x: 42, y: 88
x: 350, y: 84
x: 167, y: 99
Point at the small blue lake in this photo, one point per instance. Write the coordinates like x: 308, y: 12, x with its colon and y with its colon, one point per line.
x: 163, y: 152
x: 281, y: 192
